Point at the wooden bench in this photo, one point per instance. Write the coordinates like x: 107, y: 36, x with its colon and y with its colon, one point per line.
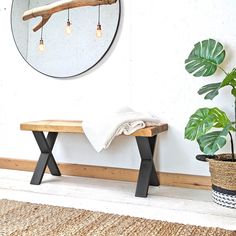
x: 146, y: 140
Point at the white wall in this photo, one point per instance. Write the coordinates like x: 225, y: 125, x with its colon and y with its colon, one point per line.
x: 145, y: 69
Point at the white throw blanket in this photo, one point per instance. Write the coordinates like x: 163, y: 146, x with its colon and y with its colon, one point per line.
x: 102, y: 129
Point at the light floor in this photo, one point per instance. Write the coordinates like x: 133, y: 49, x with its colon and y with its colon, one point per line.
x: 189, y: 206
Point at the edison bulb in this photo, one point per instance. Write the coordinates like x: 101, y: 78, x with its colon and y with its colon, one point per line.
x: 99, y: 31
x: 41, y: 45
x: 68, y: 27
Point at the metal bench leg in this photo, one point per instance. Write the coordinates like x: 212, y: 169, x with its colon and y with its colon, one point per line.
x: 46, y: 157
x: 147, y: 172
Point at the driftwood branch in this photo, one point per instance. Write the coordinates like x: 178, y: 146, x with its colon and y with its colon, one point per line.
x: 46, y: 11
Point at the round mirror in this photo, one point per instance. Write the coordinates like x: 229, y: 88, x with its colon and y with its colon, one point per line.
x: 75, y: 38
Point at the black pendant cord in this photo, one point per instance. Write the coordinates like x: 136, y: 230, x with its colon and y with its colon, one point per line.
x: 41, y: 33
x: 68, y: 15
x: 99, y: 13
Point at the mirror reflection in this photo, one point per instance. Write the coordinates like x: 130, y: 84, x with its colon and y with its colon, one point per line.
x: 71, y: 42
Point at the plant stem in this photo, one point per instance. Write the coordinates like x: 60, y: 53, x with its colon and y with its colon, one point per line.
x: 222, y: 70
x: 235, y: 114
x: 235, y: 122
x: 232, y: 146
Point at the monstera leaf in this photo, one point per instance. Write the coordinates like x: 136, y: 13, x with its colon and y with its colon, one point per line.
x: 211, y: 142
x: 221, y: 120
x: 230, y: 79
x: 205, y: 119
x: 204, y: 58
x: 199, y: 123
x: 211, y: 90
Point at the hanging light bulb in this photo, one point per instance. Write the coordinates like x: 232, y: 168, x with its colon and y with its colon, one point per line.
x: 41, y: 43
x: 99, y: 27
x: 68, y: 24
x: 68, y: 27
x: 99, y: 31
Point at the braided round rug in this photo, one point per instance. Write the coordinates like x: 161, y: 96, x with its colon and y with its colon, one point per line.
x: 23, y: 218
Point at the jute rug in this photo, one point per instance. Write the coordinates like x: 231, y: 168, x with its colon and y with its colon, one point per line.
x: 22, y: 218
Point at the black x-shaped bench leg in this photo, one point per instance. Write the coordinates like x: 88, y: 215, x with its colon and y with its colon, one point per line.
x: 147, y: 172
x: 46, y: 157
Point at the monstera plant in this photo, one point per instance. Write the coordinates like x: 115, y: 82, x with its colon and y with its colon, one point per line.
x: 211, y: 127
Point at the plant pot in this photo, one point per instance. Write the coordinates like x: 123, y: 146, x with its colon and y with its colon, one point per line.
x: 223, y: 178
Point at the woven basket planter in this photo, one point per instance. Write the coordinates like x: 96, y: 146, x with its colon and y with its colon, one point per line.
x: 223, y: 177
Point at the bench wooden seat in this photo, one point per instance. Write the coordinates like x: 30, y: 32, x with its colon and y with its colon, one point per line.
x: 75, y: 126
x: 146, y: 140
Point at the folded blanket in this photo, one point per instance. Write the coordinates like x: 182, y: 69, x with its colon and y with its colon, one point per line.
x: 102, y: 129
